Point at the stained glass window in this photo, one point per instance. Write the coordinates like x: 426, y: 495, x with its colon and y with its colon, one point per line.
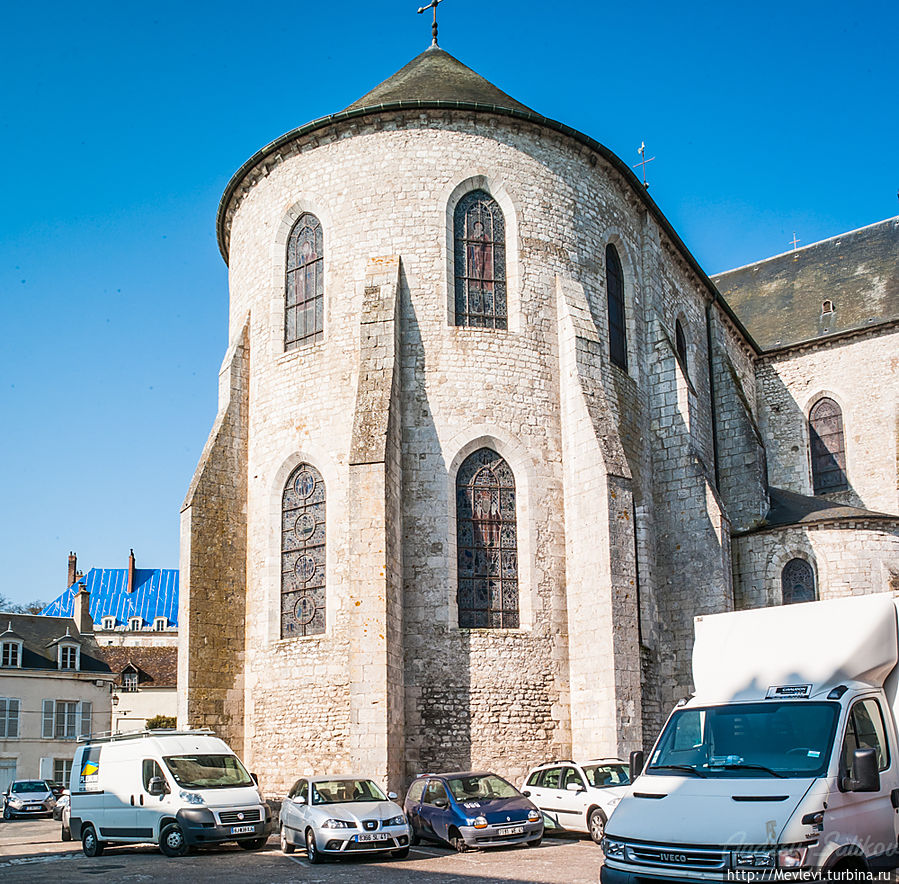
x: 486, y: 542
x: 303, y: 553
x: 797, y: 582
x: 825, y: 429
x: 304, y: 302
x: 480, y: 261
x: 680, y: 344
x: 615, y: 300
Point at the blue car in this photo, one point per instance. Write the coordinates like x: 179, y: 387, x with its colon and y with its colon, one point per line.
x: 469, y: 810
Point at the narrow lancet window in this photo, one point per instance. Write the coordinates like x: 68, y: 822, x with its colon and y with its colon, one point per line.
x: 615, y: 300
x: 304, y: 300
x: 825, y: 424
x: 480, y: 262
x: 680, y: 345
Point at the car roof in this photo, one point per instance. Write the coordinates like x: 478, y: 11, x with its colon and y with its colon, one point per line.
x: 459, y: 773
x: 563, y: 761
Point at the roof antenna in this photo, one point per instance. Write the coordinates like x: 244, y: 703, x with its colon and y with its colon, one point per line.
x: 432, y: 5
x: 642, y: 151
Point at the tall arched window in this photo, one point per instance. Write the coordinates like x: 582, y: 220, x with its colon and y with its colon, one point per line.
x: 797, y: 582
x: 480, y: 261
x: 486, y: 542
x: 825, y: 430
x: 303, y: 553
x: 615, y: 300
x: 304, y: 300
x: 680, y: 344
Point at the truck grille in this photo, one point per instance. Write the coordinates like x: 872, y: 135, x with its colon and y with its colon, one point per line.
x: 250, y: 815
x: 677, y: 857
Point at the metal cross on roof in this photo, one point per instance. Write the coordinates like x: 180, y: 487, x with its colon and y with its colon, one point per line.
x: 795, y: 241
x: 432, y: 5
x: 642, y: 151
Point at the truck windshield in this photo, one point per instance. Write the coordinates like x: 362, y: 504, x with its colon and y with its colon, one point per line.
x: 787, y: 739
x: 207, y: 771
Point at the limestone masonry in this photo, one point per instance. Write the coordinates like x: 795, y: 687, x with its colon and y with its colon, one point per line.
x: 634, y: 497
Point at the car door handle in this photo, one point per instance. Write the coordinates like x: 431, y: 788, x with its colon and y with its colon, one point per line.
x: 132, y: 801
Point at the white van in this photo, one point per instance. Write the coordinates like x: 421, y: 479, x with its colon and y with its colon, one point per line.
x: 784, y: 765
x: 172, y: 788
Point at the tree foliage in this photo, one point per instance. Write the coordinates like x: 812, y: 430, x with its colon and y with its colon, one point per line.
x: 7, y: 607
x: 160, y: 721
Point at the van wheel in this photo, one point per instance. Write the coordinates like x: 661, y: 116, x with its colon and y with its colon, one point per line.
x: 312, y: 852
x: 90, y: 844
x: 252, y: 843
x: 66, y: 834
x: 172, y: 841
x: 597, y: 825
x: 286, y: 846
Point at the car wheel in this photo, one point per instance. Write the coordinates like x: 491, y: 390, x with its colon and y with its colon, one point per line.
x: 90, y: 844
x: 457, y: 842
x: 597, y: 825
x: 6, y: 814
x: 312, y: 852
x: 402, y: 853
x: 65, y: 834
x: 286, y: 846
x: 414, y: 838
x: 535, y: 842
x: 172, y: 841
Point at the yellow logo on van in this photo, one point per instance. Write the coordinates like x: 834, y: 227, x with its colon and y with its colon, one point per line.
x: 90, y: 768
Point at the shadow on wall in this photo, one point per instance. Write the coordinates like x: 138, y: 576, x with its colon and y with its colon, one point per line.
x: 437, y: 654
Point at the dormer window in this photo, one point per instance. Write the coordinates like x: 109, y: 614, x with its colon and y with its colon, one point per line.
x: 129, y: 681
x: 69, y: 656
x: 135, y: 623
x: 109, y: 622
x: 826, y: 307
x: 12, y: 654
x: 160, y: 624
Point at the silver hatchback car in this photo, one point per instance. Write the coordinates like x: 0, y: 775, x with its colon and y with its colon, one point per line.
x: 336, y: 816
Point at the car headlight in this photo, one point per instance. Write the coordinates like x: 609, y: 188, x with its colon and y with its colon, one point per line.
x: 791, y: 857
x: 612, y: 802
x: 613, y: 849
x: 338, y: 824
x: 533, y: 816
x: 399, y: 820
x: 479, y: 822
x: 754, y: 859
x: 13, y: 800
x: 191, y: 797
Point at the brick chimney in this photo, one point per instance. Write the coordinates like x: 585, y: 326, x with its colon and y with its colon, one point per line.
x: 73, y: 564
x: 82, y: 611
x: 131, y: 572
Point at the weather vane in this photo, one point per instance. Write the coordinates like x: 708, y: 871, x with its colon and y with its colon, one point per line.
x: 642, y: 151
x: 432, y: 5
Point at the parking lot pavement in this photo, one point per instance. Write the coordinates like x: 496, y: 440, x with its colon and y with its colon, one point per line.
x: 31, y: 852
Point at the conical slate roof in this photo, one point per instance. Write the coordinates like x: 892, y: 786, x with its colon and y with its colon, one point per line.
x: 436, y: 75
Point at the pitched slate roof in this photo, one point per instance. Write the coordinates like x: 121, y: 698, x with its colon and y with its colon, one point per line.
x: 155, y: 595
x: 40, y: 636
x: 780, y: 299
x: 156, y: 667
x: 436, y: 75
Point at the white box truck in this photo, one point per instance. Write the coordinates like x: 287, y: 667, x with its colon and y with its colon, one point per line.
x: 172, y: 788
x: 784, y: 764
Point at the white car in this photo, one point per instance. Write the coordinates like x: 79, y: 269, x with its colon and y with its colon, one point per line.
x: 578, y: 797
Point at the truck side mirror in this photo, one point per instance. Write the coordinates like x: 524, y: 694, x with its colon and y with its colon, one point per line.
x: 637, y: 760
x: 864, y: 776
x: 157, y: 786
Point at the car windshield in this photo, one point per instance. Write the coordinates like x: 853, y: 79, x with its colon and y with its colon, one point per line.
x: 207, y: 771
x: 787, y: 739
x: 30, y: 786
x: 481, y: 787
x: 601, y: 775
x: 345, y: 791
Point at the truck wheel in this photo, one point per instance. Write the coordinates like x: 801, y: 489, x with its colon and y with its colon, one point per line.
x: 172, y: 841
x: 312, y: 853
x: 90, y: 844
x: 65, y: 834
x: 597, y: 825
x: 286, y: 846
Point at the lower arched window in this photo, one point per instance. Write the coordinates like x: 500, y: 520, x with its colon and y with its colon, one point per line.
x: 797, y: 582
x: 486, y: 542
x: 303, y: 553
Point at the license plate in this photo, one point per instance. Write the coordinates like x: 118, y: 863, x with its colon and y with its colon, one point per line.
x: 242, y: 830
x: 511, y: 830
x: 375, y: 836
x: 34, y: 807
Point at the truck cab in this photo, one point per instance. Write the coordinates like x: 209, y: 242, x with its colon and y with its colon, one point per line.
x: 785, y: 761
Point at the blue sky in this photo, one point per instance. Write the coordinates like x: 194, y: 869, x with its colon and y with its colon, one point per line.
x: 121, y: 124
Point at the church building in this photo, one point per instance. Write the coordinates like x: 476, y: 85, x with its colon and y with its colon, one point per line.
x: 489, y: 438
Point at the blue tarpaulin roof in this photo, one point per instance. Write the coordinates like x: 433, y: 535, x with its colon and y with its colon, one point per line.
x: 155, y: 594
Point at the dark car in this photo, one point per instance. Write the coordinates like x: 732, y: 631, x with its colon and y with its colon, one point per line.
x: 27, y: 798
x: 471, y: 809
x: 56, y: 788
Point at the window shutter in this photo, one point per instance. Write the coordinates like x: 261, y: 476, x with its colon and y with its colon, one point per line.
x: 85, y: 729
x: 4, y: 711
x: 12, y: 721
x: 46, y: 769
x: 47, y: 732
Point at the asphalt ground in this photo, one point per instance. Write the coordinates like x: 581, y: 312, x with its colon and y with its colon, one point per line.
x: 31, y: 852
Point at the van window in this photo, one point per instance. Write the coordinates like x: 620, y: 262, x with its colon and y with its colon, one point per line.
x: 151, y: 769
x: 865, y: 730
x: 207, y: 771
